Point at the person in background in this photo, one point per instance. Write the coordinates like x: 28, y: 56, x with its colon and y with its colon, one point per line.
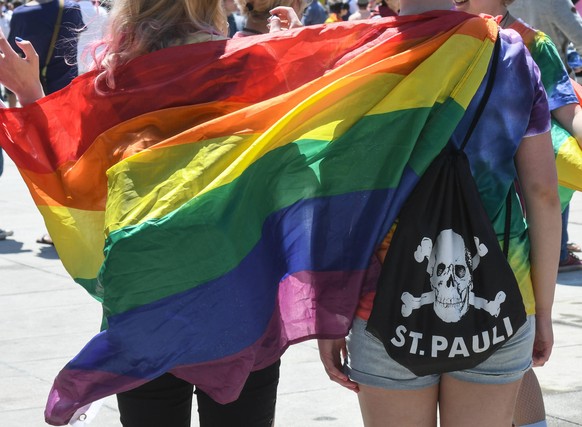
x: 569, y: 260
x: 352, y: 6
x: 347, y: 10
x: 95, y: 18
x: 314, y: 14
x: 35, y: 21
x: 380, y: 9
x: 257, y: 15
x: 363, y: 11
x: 3, y: 232
x: 5, y: 15
x: 336, y: 11
x: 394, y: 6
x: 12, y: 5
x: 560, y: 20
x: 233, y: 17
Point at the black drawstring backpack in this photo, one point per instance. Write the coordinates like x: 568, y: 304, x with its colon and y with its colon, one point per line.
x: 447, y: 298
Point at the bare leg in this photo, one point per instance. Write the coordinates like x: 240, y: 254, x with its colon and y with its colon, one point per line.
x: 385, y: 408
x: 529, y: 408
x: 476, y: 405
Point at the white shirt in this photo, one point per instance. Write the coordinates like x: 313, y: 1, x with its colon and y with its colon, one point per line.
x: 95, y: 19
x: 5, y: 23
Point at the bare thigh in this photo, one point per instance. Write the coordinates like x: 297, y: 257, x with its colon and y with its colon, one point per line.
x: 464, y: 403
x: 400, y: 408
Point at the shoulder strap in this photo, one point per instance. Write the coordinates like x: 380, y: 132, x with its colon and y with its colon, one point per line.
x: 480, y: 108
x: 507, y: 224
x: 53, y: 39
x: 488, y: 88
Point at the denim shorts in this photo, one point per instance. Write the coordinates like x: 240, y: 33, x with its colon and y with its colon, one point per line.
x: 369, y: 364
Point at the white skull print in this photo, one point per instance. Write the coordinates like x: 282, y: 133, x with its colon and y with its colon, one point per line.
x: 450, y: 267
x: 451, y: 276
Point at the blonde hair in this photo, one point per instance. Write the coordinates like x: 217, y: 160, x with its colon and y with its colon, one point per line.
x: 137, y: 27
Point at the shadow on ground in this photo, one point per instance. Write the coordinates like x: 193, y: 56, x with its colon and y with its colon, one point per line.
x: 49, y: 252
x: 10, y: 246
x: 570, y: 278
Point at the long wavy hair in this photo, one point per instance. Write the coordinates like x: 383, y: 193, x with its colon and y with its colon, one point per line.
x: 137, y: 27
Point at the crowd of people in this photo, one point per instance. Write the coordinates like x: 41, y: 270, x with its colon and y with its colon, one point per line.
x: 316, y: 12
x: 509, y: 150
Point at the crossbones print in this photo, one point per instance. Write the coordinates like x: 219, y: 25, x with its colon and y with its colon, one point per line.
x: 450, y: 267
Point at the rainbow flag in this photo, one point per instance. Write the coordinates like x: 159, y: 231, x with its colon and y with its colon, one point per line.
x: 566, y: 148
x: 568, y: 157
x: 225, y: 200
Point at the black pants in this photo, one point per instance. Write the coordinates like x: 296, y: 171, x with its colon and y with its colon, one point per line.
x: 167, y: 402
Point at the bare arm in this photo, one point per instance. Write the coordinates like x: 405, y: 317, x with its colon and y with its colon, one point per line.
x: 570, y: 118
x: 20, y: 75
x: 536, y: 168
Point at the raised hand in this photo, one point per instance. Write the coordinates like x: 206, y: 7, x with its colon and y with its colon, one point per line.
x: 283, y: 18
x: 20, y: 74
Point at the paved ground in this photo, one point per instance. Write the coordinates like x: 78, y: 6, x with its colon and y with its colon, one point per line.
x: 45, y: 319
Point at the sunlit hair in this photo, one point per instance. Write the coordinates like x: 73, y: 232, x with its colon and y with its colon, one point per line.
x: 259, y: 9
x: 137, y: 27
